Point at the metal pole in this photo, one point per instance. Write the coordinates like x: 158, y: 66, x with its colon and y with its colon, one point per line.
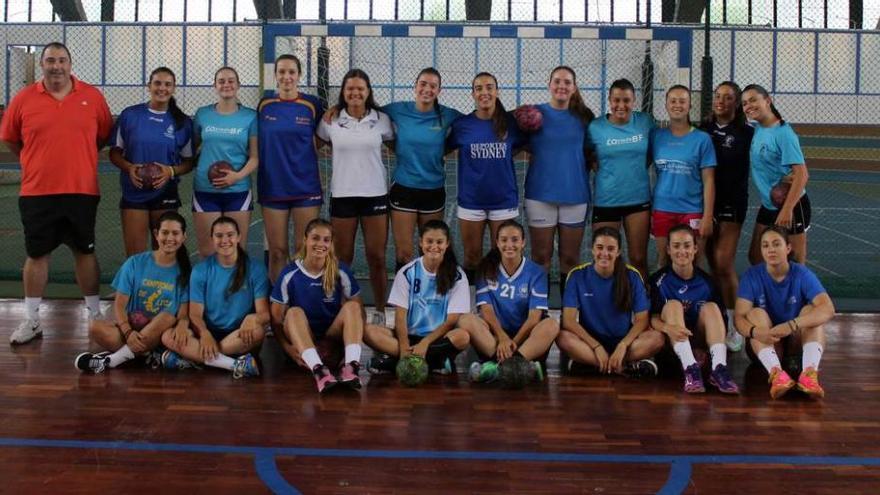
x: 706, y: 82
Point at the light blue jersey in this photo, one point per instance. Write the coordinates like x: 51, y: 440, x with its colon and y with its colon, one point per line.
x: 774, y: 150
x: 783, y: 300
x: 593, y: 296
x: 558, y: 169
x: 209, y: 286
x: 151, y: 288
x: 513, y: 296
x: 223, y: 137
x: 679, y: 162
x: 622, y: 150
x: 420, y: 143
x: 415, y: 288
x: 297, y: 287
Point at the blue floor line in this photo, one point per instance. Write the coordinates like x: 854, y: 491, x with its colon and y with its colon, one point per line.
x: 267, y: 470
x: 679, y: 478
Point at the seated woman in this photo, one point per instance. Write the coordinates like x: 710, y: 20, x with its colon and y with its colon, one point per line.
x: 512, y: 297
x: 430, y: 294
x: 605, y: 313
x: 228, y: 309
x: 781, y: 307
x: 684, y: 304
x: 317, y: 297
x: 151, y: 297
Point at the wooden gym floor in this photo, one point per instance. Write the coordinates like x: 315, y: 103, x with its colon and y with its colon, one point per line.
x: 137, y: 430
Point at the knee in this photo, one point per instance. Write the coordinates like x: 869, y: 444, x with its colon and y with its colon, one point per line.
x: 351, y: 310
x: 277, y: 254
x: 710, y: 310
x: 167, y: 339
x: 653, y: 340
x: 459, y: 338
x: 565, y: 339
x: 294, y: 317
x: 548, y: 328
x: 758, y: 316
x: 673, y: 305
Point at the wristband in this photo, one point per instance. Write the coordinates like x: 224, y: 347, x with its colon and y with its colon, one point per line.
x: 797, y: 326
x: 173, y: 173
x: 752, y: 332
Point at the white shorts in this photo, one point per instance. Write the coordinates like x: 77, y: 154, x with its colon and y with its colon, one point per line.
x: 542, y: 214
x: 492, y: 215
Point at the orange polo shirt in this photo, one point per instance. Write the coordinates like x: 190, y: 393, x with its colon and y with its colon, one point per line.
x: 59, y: 138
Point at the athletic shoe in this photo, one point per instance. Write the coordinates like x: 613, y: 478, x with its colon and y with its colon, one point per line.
x: 808, y: 383
x: 538, y: 370
x: 348, y: 375
x: 324, y: 380
x: 96, y: 363
x: 173, y: 361
x: 446, y: 369
x: 378, y: 318
x: 382, y: 364
x: 734, y: 340
x: 642, y: 368
x: 693, y: 380
x: 780, y: 382
x: 94, y: 315
x: 28, y: 330
x: 483, y: 372
x: 720, y: 379
x: 153, y: 360
x: 245, y: 366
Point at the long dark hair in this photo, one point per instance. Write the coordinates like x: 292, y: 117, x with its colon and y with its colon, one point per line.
x: 182, y: 254
x: 763, y: 92
x: 576, y: 104
x: 488, y: 267
x: 499, y: 116
x: 370, y: 103
x: 447, y: 272
x: 241, y: 262
x: 739, y: 116
x: 623, y: 300
x: 176, y: 113
x: 432, y: 72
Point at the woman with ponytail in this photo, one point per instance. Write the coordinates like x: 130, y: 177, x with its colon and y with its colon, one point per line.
x: 486, y: 140
x: 152, y: 291
x: 229, y: 309
x: 512, y: 298
x: 776, y: 158
x: 605, y: 313
x: 156, y: 132
x: 316, y: 298
x: 430, y: 294
x: 557, y: 188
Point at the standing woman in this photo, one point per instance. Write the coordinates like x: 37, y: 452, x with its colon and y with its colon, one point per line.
x: 512, y: 297
x: 557, y: 189
x: 288, y: 179
x: 487, y: 192
x: 781, y: 307
x: 623, y: 189
x: 226, y: 132
x: 684, y: 159
x: 228, y: 309
x: 605, y: 313
x: 152, y: 284
x: 731, y: 137
x: 776, y: 157
x: 154, y: 132
x: 359, y: 185
x: 430, y: 294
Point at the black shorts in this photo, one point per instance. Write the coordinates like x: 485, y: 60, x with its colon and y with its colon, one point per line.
x: 358, y: 206
x: 731, y: 211
x: 56, y: 219
x: 800, y: 220
x: 617, y: 213
x: 412, y: 200
x: 167, y: 200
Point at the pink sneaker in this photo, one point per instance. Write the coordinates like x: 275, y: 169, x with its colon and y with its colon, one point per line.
x: 808, y: 383
x: 780, y: 382
x: 323, y: 378
x: 348, y: 375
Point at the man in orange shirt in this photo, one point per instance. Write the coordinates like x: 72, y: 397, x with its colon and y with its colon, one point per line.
x: 56, y: 127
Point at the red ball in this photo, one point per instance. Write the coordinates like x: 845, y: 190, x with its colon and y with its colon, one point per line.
x: 779, y: 193
x: 219, y: 169
x: 528, y: 118
x: 149, y: 174
x: 138, y: 320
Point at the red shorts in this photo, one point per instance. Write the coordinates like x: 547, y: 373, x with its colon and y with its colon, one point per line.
x: 663, y: 221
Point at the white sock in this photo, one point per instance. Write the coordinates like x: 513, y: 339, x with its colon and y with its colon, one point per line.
x: 684, y: 352
x: 122, y: 355
x: 311, y: 357
x: 352, y: 353
x: 730, y: 319
x: 812, y: 355
x: 221, y: 361
x: 719, y: 354
x: 93, y: 303
x: 769, y: 359
x: 32, y: 307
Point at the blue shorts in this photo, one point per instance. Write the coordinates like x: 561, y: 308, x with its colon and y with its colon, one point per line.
x: 289, y: 204
x: 168, y: 199
x: 214, y: 202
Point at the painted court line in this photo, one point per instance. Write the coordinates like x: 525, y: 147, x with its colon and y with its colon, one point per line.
x: 874, y: 244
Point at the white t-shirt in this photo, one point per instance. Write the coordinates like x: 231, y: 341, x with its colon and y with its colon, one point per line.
x: 357, y: 153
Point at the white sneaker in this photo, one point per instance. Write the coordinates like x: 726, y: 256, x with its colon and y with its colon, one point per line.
x: 378, y: 318
x: 734, y: 340
x: 94, y: 315
x: 26, y: 331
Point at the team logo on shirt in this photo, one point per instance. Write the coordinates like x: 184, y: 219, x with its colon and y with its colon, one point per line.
x: 489, y: 150
x: 300, y: 120
x: 523, y: 290
x: 169, y: 132
x: 683, y: 289
x: 762, y: 301
x: 627, y: 140
x: 728, y: 142
x: 792, y: 300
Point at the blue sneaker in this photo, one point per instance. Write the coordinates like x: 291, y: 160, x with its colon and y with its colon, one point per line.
x: 245, y: 366
x: 173, y: 361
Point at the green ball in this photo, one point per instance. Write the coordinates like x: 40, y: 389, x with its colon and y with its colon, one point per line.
x: 515, y: 373
x: 412, y: 371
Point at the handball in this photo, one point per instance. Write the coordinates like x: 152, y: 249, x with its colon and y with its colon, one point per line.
x: 528, y: 118
x: 780, y: 192
x: 515, y: 373
x: 149, y: 174
x: 219, y: 169
x: 138, y: 320
x: 412, y: 371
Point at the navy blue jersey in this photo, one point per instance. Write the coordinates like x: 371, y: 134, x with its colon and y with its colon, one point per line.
x: 297, y: 287
x: 665, y: 285
x: 732, y: 144
x: 513, y: 296
x: 593, y: 296
x: 783, y: 300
